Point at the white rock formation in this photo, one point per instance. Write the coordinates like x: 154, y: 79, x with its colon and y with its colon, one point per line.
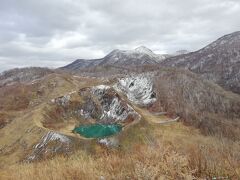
x: 109, y: 142
x: 61, y: 145
x: 52, y: 136
x: 114, y: 108
x: 138, y: 88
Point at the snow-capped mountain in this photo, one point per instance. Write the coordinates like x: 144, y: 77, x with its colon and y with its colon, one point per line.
x: 138, y: 56
x: 219, y: 61
x: 119, y: 58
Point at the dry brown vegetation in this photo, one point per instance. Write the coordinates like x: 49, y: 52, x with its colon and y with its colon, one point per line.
x: 22, y: 129
x: 23, y: 75
x: 146, y: 152
x: 199, y: 102
x: 5, y: 118
x: 142, y: 164
x: 15, y: 97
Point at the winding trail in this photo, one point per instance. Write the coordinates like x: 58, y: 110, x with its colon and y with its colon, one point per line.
x: 154, y: 119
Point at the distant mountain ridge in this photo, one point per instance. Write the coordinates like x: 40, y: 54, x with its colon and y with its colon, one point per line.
x: 119, y: 58
x: 218, y: 62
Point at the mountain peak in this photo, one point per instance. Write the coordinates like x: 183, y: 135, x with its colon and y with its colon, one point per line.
x: 143, y: 49
x: 138, y: 50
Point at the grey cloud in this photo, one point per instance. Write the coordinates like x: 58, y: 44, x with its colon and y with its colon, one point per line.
x: 54, y: 33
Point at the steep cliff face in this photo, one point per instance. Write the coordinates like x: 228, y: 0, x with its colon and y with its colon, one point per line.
x: 138, y: 88
x: 112, y: 107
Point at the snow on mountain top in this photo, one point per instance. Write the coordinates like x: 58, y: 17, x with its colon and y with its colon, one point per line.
x: 143, y: 49
x: 137, y: 52
x: 135, y: 57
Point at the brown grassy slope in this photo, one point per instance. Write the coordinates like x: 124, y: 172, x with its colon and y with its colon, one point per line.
x: 146, y: 152
x: 23, y: 75
x: 199, y: 102
x: 19, y: 131
x: 19, y: 97
x: 17, y: 137
x: 16, y: 97
x: 6, y: 118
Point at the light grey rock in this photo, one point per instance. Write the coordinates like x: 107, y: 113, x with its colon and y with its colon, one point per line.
x: 138, y: 88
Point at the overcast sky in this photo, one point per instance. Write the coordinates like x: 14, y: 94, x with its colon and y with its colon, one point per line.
x: 55, y: 32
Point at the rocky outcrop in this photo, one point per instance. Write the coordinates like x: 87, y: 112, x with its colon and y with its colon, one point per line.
x: 109, y: 142
x: 138, y: 88
x: 62, y: 101
x: 51, y: 144
x: 100, y: 104
x: 111, y: 108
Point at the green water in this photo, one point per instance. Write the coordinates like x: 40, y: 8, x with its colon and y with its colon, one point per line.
x: 98, y: 130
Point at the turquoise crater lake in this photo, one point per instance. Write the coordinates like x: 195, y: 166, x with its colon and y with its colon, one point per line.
x: 97, y: 130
